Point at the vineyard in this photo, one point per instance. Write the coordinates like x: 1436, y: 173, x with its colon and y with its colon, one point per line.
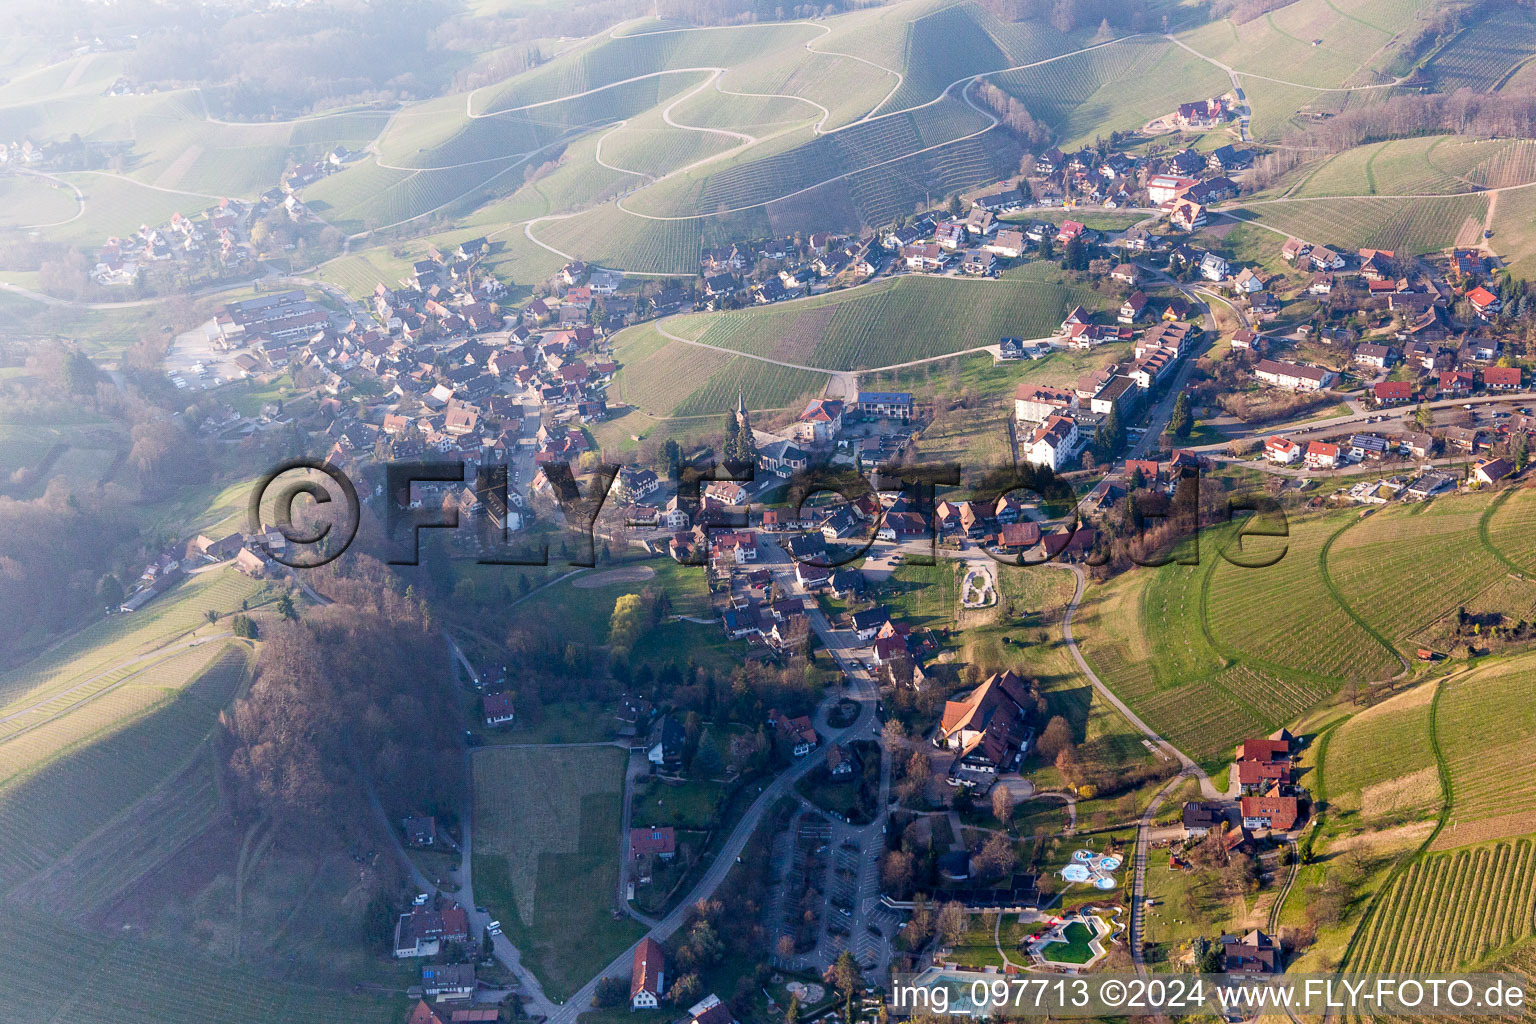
x: 117, y: 206
x: 846, y: 87
x: 1404, y: 225
x: 1483, y: 55
x: 56, y: 973
x: 1271, y: 613
x: 1380, y: 746
x: 1086, y: 94
x: 883, y: 166
x: 615, y: 59
x: 1511, y: 527
x: 1450, y: 909
x: 672, y: 378
x: 78, y: 663
x: 1312, y: 42
x: 613, y: 238
x: 1400, y: 167
x: 1275, y: 107
x: 25, y: 201
x: 49, y: 811
x: 649, y: 147
x: 1493, y: 772
x: 900, y: 320
x: 75, y: 718
x: 1406, y: 566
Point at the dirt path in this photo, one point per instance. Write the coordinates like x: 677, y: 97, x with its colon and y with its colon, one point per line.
x: 629, y: 574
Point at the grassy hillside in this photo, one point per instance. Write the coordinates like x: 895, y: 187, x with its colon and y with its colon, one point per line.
x: 1405, y: 225
x: 1117, y: 87
x: 897, y: 320
x: 1208, y: 653
x: 1311, y: 42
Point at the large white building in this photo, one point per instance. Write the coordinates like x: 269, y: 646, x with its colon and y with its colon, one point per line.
x: 1294, y: 376
x: 1036, y: 403
x: 1054, y: 444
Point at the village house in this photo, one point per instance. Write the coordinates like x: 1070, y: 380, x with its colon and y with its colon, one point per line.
x: 420, y: 831
x: 647, y: 980
x: 819, y: 423
x: 1132, y: 309
x: 1187, y: 215
x: 1491, y: 471
x: 1379, y: 356
x: 1282, y: 450
x: 797, y: 735
x: 989, y: 729
x: 1273, y: 812
x: 448, y: 982
x: 423, y: 930
x: 1055, y: 444
x: 1200, y: 818
x: 497, y: 709
x: 1322, y: 455
x: 1293, y: 376
x: 1253, y: 954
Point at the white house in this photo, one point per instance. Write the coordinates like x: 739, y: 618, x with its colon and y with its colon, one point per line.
x: 1282, y: 450
x: 1294, y: 376
x: 1036, y: 403
x: 1055, y: 443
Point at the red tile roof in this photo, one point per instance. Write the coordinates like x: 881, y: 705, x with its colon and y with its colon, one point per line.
x: 649, y: 962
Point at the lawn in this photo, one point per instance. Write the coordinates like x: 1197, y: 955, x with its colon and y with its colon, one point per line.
x: 552, y: 880
x: 1187, y: 904
x: 1075, y: 950
x: 691, y: 805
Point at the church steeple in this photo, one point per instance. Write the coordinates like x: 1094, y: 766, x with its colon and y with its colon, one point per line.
x: 742, y: 422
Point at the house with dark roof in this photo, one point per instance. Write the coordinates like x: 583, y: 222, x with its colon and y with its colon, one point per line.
x: 667, y: 739
x: 448, y: 981
x: 498, y: 709
x: 1253, y: 953
x: 989, y: 730
x: 1201, y: 817
x: 797, y: 734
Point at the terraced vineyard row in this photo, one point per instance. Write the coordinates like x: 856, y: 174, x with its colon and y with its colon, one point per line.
x: 1270, y: 613
x: 1405, y: 225
x: 1451, y: 909
x: 48, y: 812
x: 105, y: 644
x: 1485, y: 53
